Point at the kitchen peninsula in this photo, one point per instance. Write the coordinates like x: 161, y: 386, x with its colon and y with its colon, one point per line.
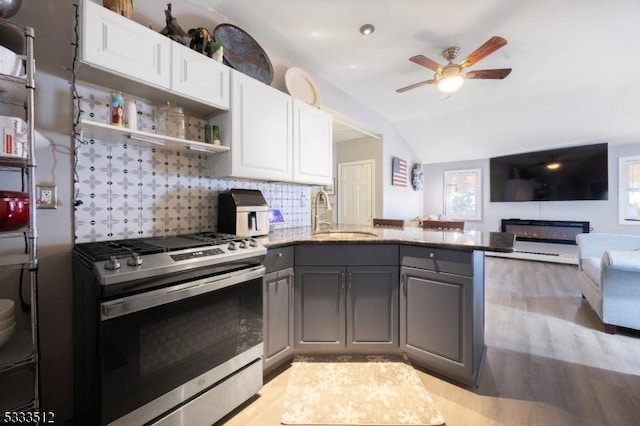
x: 378, y: 290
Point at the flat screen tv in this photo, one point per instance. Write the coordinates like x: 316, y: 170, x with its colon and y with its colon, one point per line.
x: 563, y: 174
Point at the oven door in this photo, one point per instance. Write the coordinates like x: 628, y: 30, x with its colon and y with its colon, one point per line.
x: 161, y: 348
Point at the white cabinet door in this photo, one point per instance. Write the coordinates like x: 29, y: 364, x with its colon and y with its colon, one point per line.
x: 200, y: 77
x: 125, y: 47
x: 261, y: 140
x: 312, y: 145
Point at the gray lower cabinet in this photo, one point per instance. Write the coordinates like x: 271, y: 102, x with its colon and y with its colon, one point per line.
x: 278, y: 307
x: 320, y: 322
x: 442, y: 310
x: 351, y: 307
x: 372, y: 308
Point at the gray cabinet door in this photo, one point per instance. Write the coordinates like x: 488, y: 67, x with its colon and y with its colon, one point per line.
x: 372, y: 308
x: 440, y: 325
x: 320, y: 308
x: 278, y: 317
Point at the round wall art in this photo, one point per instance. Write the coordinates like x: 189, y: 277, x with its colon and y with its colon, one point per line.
x: 417, y: 176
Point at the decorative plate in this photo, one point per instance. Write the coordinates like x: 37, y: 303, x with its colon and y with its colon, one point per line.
x: 301, y: 86
x: 243, y: 53
x: 417, y: 176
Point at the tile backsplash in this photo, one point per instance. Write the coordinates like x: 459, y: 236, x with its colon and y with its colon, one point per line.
x: 130, y: 191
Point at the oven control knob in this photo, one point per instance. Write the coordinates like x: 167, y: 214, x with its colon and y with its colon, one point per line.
x: 134, y: 260
x: 112, y: 263
x: 243, y: 244
x: 232, y: 245
x: 253, y: 243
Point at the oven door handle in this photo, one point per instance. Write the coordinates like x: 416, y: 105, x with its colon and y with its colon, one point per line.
x: 139, y: 302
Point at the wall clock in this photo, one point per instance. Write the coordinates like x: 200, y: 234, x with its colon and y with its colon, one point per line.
x: 417, y: 176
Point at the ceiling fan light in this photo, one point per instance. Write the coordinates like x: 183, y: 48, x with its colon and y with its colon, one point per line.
x: 450, y: 84
x: 449, y: 79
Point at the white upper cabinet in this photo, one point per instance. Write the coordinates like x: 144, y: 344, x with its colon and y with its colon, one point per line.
x: 273, y: 136
x: 261, y: 131
x: 122, y: 46
x: 198, y: 76
x: 126, y: 56
x: 312, y: 145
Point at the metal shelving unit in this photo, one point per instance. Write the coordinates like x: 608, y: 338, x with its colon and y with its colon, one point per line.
x: 19, y: 370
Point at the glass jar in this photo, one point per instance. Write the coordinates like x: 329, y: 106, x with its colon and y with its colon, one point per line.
x: 171, y: 121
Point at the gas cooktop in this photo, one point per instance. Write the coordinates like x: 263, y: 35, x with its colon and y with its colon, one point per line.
x: 103, y: 250
x: 131, y: 259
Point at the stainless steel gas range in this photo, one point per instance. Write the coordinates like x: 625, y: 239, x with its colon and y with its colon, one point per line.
x: 167, y: 330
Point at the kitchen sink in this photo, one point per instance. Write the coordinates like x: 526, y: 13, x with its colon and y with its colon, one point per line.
x: 340, y: 235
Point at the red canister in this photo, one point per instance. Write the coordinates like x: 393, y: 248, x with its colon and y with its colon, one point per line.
x: 14, y: 210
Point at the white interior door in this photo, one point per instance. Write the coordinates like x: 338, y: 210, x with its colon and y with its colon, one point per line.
x: 356, y: 192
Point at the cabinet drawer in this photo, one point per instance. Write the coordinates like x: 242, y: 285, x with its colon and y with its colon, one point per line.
x: 347, y: 254
x: 279, y: 258
x: 449, y: 261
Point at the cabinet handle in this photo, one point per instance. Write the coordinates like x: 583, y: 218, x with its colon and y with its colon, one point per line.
x: 279, y: 254
x: 432, y: 255
x: 349, y: 281
x: 291, y: 305
x: 342, y: 279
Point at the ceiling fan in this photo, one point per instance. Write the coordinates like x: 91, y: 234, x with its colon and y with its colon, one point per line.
x: 449, y: 78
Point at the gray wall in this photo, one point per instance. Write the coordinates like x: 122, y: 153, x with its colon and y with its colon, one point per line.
x: 603, y: 215
x: 52, y: 22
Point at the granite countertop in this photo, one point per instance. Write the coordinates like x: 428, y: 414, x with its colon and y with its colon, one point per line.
x: 466, y: 240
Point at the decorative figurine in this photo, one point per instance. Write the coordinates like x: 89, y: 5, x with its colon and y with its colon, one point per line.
x: 121, y: 7
x: 173, y: 30
x: 202, y: 41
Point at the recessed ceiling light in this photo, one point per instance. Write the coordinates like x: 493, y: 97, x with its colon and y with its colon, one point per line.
x: 367, y: 29
x: 554, y: 165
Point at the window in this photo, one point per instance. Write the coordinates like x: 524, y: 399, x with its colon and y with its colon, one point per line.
x: 629, y: 191
x: 462, y: 196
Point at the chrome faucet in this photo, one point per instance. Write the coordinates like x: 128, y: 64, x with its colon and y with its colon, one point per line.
x: 316, y: 215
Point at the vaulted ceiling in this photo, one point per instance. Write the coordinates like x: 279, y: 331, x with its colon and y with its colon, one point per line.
x: 575, y: 78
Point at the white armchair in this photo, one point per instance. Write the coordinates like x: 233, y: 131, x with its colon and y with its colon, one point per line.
x: 609, y: 269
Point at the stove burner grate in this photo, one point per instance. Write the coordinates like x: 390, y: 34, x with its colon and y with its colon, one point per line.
x: 215, y: 237
x: 102, y: 250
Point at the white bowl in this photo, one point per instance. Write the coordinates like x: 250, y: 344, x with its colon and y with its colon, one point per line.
x: 5, y: 335
x: 6, y: 308
x: 5, y: 323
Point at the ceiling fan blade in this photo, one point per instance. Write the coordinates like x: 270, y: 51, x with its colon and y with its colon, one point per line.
x: 490, y: 46
x: 425, y: 62
x: 497, y: 74
x: 413, y: 86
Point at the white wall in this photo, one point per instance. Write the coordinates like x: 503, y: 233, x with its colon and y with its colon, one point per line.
x: 602, y: 215
x: 399, y: 202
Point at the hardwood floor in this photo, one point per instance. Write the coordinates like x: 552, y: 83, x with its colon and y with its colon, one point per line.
x: 548, y: 360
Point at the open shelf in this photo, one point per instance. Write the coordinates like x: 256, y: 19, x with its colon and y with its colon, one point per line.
x: 13, y: 162
x: 14, y: 261
x: 96, y: 130
x: 17, y: 351
x: 13, y: 90
x: 19, y: 369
